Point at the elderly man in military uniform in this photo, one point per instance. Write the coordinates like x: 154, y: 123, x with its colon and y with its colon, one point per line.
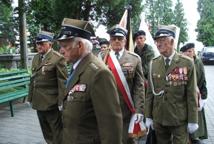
x: 47, y: 87
x: 171, y: 98
x: 189, y: 50
x: 131, y: 70
x: 91, y: 109
x: 144, y: 50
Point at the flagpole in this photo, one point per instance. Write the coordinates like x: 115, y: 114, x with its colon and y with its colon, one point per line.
x: 129, y: 8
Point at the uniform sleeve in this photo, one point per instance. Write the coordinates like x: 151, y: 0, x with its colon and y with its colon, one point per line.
x: 191, y: 95
x: 31, y: 87
x: 149, y: 99
x: 106, y: 105
x: 61, y: 78
x: 138, y: 88
x: 150, y: 55
x: 201, y: 79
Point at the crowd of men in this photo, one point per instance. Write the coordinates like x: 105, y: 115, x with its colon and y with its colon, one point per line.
x: 117, y: 96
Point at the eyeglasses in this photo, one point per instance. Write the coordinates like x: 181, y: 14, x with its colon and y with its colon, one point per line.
x: 117, y: 38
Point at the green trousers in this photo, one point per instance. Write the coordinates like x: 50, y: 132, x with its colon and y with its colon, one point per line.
x: 171, y: 134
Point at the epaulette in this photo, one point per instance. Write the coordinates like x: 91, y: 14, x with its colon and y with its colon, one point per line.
x: 57, y: 53
x: 94, y: 66
x: 134, y: 54
x: 156, y: 58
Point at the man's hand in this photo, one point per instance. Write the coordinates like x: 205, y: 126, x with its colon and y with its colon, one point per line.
x: 192, y: 127
x: 138, y: 117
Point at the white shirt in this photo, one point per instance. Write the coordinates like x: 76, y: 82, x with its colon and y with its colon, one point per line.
x: 120, y: 52
x: 170, y: 58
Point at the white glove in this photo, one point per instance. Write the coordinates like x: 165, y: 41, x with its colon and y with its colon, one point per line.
x: 192, y: 127
x: 149, y: 123
x: 138, y: 117
x: 202, y: 103
x: 29, y: 104
x: 60, y: 107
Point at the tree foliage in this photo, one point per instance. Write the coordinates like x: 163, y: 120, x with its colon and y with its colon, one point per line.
x: 48, y: 14
x: 7, y: 25
x: 180, y: 21
x: 160, y: 12
x: 205, y: 26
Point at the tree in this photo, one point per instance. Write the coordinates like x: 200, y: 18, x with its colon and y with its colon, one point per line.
x: 180, y: 21
x: 159, y: 12
x: 7, y: 25
x: 49, y: 14
x: 205, y: 26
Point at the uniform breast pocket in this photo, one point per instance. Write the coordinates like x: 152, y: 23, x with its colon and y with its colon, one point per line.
x: 76, y: 97
x: 128, y: 71
x: 48, y: 67
x: 157, y: 81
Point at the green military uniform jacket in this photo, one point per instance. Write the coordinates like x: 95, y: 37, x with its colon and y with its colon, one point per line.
x: 201, y: 80
x: 92, y: 113
x: 132, y: 69
x: 177, y: 105
x: 47, y: 86
x: 146, y: 54
x: 201, y: 83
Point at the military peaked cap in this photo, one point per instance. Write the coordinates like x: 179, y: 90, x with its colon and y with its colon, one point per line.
x: 44, y: 36
x: 165, y: 31
x: 75, y: 28
x: 117, y: 30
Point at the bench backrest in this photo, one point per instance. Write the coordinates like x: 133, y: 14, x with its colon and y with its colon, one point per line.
x: 14, y: 79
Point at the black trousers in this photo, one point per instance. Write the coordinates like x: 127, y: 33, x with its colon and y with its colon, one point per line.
x: 51, y: 125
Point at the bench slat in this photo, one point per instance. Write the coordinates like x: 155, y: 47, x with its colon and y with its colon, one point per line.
x: 4, y: 74
x: 13, y: 85
x: 13, y: 95
x: 14, y: 77
x: 6, y: 83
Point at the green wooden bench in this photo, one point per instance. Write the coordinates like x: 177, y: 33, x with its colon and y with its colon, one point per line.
x: 13, y: 85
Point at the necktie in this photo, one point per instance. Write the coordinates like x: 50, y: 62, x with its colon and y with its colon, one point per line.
x: 167, y: 60
x: 117, y: 55
x: 70, y: 76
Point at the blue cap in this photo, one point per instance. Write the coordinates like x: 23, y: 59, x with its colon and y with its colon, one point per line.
x: 44, y: 36
x: 117, y: 30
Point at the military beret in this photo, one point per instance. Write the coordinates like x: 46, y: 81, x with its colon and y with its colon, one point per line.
x: 187, y: 46
x: 139, y: 33
x: 75, y: 28
x: 117, y: 30
x: 44, y: 36
x: 165, y: 31
x: 104, y: 41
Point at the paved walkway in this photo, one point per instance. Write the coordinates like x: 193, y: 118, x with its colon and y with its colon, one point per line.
x: 24, y: 127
